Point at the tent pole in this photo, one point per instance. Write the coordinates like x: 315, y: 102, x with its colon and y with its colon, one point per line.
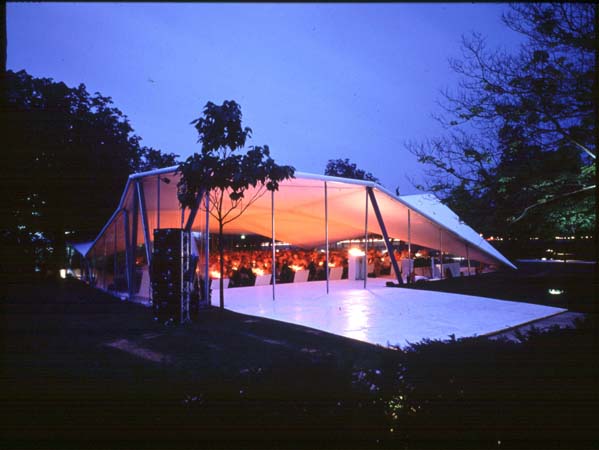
x: 133, y: 245
x: 193, y: 212
x: 207, y: 251
x: 366, y: 240
x: 158, y: 202
x: 105, y: 269
x: 114, y: 260
x: 127, y: 251
x: 379, y: 218
x: 274, y: 261
x: 144, y: 221
x: 468, y: 258
x: 441, y: 253
x: 409, y: 245
x: 326, y: 232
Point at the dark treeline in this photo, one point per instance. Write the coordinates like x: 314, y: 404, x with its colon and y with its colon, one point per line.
x: 66, y: 157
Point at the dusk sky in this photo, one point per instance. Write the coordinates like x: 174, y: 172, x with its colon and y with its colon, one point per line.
x: 315, y: 81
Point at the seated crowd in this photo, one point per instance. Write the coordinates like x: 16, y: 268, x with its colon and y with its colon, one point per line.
x: 242, y: 267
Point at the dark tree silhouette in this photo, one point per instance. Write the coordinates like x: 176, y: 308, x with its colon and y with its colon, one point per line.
x: 66, y: 157
x: 224, y: 173
x: 519, y: 153
x: 344, y: 168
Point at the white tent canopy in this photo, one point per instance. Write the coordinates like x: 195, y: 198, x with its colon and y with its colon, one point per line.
x: 299, y: 215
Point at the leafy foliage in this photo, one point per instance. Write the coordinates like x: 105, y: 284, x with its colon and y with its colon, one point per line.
x: 521, y: 137
x: 225, y: 174
x: 345, y: 169
x: 66, y: 157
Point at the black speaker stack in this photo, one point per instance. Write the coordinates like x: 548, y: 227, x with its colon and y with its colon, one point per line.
x: 170, y: 264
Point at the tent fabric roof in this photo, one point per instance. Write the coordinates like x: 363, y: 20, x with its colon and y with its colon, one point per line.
x: 299, y: 213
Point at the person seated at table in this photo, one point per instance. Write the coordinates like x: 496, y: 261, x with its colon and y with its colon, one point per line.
x: 312, y: 270
x: 286, y: 273
x: 320, y: 268
x: 243, y: 276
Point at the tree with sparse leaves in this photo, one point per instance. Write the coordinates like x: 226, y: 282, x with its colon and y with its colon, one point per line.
x: 519, y: 153
x: 226, y: 174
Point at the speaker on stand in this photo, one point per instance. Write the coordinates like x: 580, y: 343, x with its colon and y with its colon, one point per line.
x: 170, y: 274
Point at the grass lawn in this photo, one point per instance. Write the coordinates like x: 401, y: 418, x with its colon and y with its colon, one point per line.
x: 81, y: 369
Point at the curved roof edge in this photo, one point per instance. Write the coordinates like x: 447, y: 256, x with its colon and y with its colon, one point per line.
x: 410, y: 201
x: 468, y: 234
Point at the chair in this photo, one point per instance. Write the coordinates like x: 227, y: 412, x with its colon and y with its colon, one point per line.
x: 335, y: 273
x: 216, y: 283
x: 423, y: 272
x: 454, y: 268
x: 465, y: 271
x: 370, y: 268
x: 301, y: 276
x: 407, y: 267
x: 263, y: 280
x: 144, y: 287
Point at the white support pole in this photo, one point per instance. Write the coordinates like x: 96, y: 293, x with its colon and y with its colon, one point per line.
x: 207, y: 252
x: 326, y: 233
x: 468, y: 258
x: 441, y: 274
x: 144, y: 221
x: 105, y: 269
x: 409, y: 246
x: 114, y: 258
x: 366, y: 239
x: 273, y: 265
x: 158, y: 202
x: 128, y: 263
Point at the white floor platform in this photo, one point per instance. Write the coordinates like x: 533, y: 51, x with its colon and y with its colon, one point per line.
x: 379, y: 314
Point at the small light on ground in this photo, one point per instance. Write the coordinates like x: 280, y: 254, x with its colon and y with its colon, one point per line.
x: 555, y: 291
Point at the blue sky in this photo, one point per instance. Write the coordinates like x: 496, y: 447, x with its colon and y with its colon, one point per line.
x: 315, y: 81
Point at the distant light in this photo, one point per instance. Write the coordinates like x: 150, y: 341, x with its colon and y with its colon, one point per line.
x: 243, y: 236
x: 63, y: 273
x: 555, y: 291
x: 355, y: 252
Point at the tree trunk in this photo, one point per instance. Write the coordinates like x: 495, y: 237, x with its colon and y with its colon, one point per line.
x: 221, y: 253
